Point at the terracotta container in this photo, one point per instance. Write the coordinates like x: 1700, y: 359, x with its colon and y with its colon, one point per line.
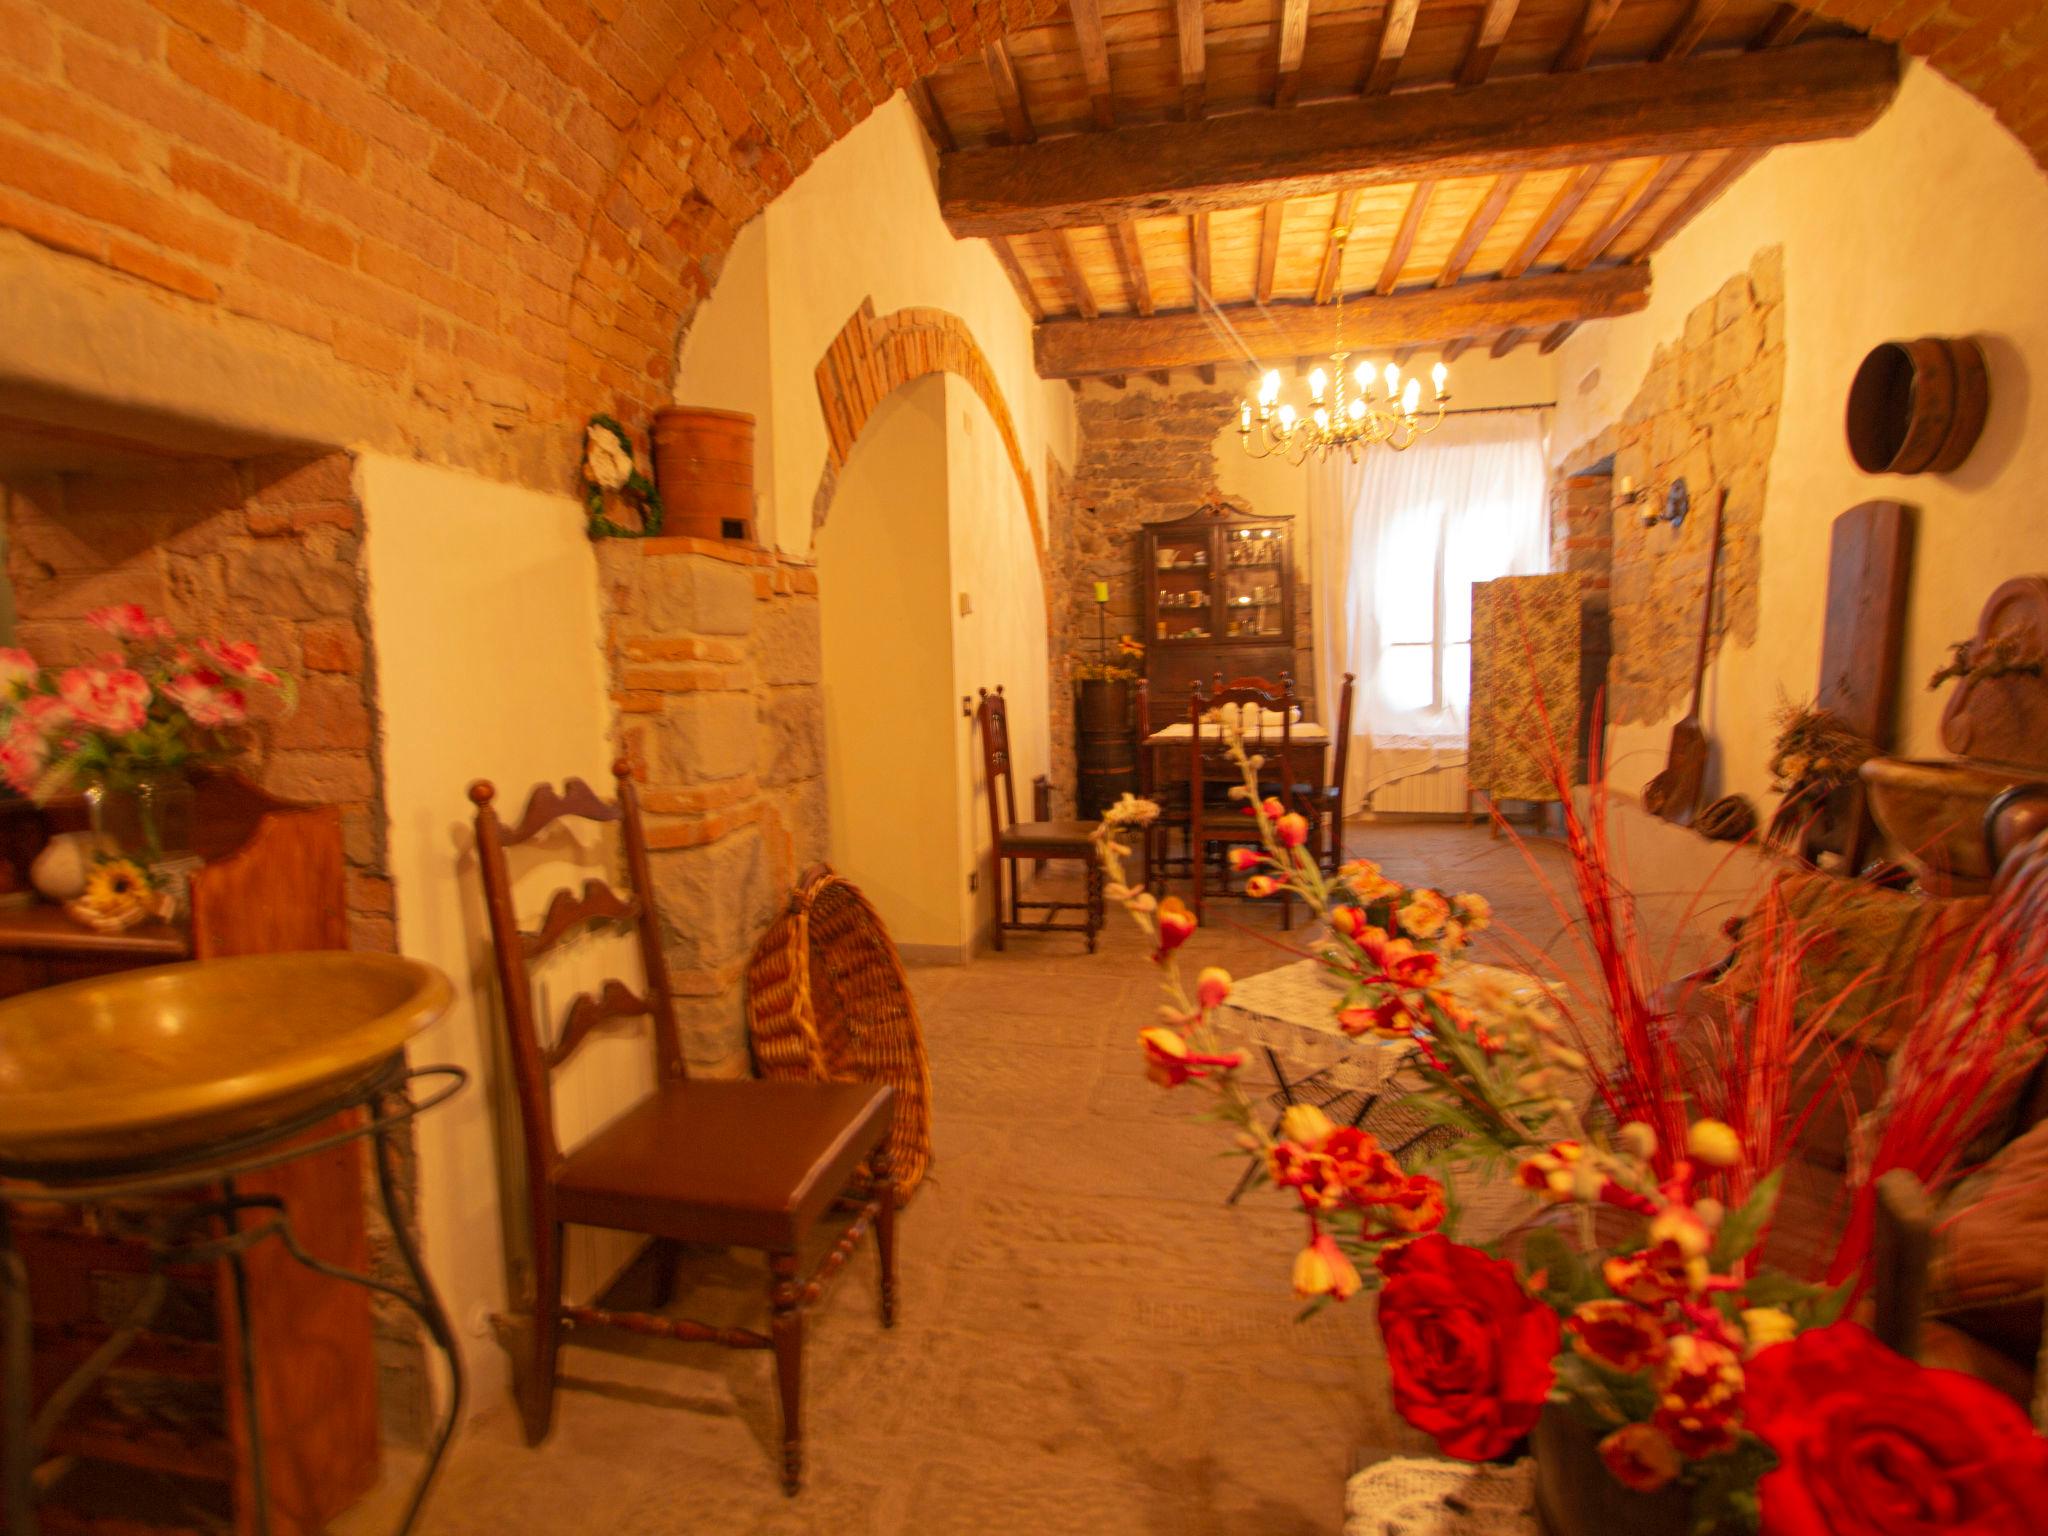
x: 1918, y: 407
x: 704, y: 468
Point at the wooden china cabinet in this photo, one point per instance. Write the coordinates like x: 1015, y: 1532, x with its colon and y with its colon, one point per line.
x: 1219, y: 598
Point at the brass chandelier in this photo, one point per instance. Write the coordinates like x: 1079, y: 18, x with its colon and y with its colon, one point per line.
x: 1341, y: 418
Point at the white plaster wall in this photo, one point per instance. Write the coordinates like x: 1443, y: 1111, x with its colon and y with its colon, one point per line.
x: 885, y: 580
x: 1930, y: 223
x: 1001, y: 637
x: 727, y: 360
x: 484, y: 611
x: 861, y: 223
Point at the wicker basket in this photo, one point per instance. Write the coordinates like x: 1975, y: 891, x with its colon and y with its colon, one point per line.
x: 827, y: 999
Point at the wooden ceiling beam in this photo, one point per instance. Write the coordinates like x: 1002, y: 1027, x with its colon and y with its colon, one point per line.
x: 1454, y: 349
x: 1578, y: 47
x: 1078, y: 291
x: 1002, y: 79
x: 1785, y: 26
x: 1206, y: 372
x: 1293, y: 43
x: 1269, y: 249
x: 1094, y: 49
x: 1558, y: 337
x: 1006, y: 253
x: 1566, y: 203
x: 1404, y: 238
x: 1487, y: 37
x: 1710, y: 186
x: 1130, y: 253
x: 1201, y: 252
x: 1819, y: 91
x: 1507, y: 341
x: 1634, y: 203
x: 1193, y: 37
x: 1395, y: 31
x: 1068, y: 348
x: 1478, y: 227
x: 926, y: 106
x: 1332, y: 271
x: 1690, y: 31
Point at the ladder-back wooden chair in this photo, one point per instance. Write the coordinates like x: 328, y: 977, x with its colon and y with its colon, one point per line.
x: 1269, y: 732
x: 1169, y: 794
x: 741, y: 1164
x: 1326, y: 800
x: 1012, y: 841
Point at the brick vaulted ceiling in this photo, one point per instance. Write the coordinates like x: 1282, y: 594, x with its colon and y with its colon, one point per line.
x: 509, y: 209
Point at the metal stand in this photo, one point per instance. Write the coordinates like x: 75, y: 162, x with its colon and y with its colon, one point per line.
x: 211, y: 1232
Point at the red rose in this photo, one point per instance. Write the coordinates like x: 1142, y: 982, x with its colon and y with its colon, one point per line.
x: 1871, y: 1444
x: 1469, y: 1349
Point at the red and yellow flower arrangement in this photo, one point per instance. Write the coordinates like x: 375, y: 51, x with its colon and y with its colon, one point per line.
x: 1639, y: 1304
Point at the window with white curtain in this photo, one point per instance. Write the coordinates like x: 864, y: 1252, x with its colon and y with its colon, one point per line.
x: 1400, y: 539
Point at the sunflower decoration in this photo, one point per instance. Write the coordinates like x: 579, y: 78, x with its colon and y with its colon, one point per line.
x: 119, y: 893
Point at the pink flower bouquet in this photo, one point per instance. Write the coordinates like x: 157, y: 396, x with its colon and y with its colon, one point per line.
x: 156, y: 703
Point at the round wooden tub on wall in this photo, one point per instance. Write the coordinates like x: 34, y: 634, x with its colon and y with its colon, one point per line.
x: 1918, y: 406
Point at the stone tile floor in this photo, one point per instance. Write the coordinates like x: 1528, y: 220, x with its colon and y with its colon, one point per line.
x: 1090, y: 1340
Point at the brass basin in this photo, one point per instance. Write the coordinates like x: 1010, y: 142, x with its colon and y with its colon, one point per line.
x: 158, y: 1062
x: 1933, y: 812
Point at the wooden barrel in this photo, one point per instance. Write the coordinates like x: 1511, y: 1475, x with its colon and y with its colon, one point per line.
x: 1917, y: 407
x: 1103, y: 743
x: 704, y: 468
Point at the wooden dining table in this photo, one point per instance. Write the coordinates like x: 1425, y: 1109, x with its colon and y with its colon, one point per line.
x: 1308, y: 750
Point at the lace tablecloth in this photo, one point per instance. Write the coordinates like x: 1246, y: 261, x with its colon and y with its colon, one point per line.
x: 1413, y: 1496
x: 1292, y: 1012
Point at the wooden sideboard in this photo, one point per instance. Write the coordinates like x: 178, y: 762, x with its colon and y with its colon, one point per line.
x: 160, y: 1446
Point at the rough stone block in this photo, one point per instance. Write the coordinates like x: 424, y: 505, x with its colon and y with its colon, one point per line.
x: 715, y: 899
x: 788, y: 647
x: 330, y: 714
x: 1767, y: 275
x: 1732, y: 301
x: 792, y: 735
x: 279, y: 578
x: 704, y: 736
x: 697, y: 593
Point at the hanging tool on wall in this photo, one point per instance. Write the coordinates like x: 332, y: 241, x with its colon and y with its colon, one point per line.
x: 1674, y: 793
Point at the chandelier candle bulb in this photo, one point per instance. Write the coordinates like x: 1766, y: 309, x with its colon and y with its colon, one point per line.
x: 1440, y: 376
x: 1411, y: 397
x: 1318, y: 382
x: 1393, y: 380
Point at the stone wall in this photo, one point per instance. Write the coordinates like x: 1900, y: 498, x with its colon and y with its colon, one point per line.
x: 1144, y: 454
x: 1707, y: 412
x: 715, y: 664
x: 268, y: 550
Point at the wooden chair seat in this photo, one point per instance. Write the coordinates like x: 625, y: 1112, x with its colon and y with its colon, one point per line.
x: 1012, y: 842
x: 1063, y: 836
x: 749, y: 1163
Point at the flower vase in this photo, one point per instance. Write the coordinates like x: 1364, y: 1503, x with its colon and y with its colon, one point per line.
x: 1577, y: 1496
x: 151, y: 818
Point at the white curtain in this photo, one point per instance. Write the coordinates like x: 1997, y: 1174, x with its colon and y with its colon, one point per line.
x: 1399, y: 540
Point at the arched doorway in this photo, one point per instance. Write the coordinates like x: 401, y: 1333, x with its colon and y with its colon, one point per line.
x: 884, y: 583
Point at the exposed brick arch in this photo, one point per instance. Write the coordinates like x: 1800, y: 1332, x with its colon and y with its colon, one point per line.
x: 505, y: 216
x: 741, y: 118
x: 871, y: 358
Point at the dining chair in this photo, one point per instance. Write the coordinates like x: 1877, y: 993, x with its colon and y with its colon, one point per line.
x: 1268, y: 732
x: 1170, y: 795
x: 733, y: 1164
x: 1012, y: 842
x: 1327, y: 799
